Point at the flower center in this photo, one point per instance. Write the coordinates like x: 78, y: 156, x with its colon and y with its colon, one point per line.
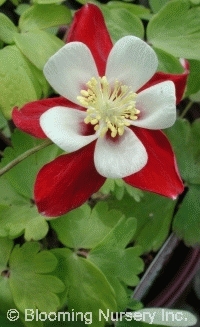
x: 108, y: 108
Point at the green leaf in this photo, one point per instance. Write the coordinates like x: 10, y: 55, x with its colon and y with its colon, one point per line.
x: 15, y: 2
x: 168, y: 63
x: 7, y: 29
x: 89, y: 289
x: 121, y: 266
x: 195, y: 97
x: 8, y: 194
x: 30, y: 267
x: 38, y: 46
x: 15, y: 78
x: 85, y: 228
x: 21, y: 177
x: 195, y: 2
x: 6, y: 246
x: 175, y: 29
x: 119, y: 236
x: 2, y: 1
x: 157, y: 5
x: 187, y: 219
x: 41, y: 85
x: 6, y: 299
x: 17, y: 75
x: 6, y: 323
x: 119, y: 189
x: 111, y: 256
x: 121, y: 22
x: 44, y: 16
x: 60, y: 272
x: 134, y: 304
x: 193, y: 83
x: 185, y: 141
x: 18, y: 214
x: 22, y: 7
x: 153, y: 213
x: 22, y: 218
x: 140, y: 11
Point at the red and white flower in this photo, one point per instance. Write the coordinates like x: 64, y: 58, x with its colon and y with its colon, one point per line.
x: 108, y: 119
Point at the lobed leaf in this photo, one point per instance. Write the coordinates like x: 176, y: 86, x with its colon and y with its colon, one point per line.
x: 187, y: 220
x: 38, y: 46
x: 175, y: 29
x: 193, y: 84
x: 16, y: 76
x: 21, y: 177
x: 185, y: 140
x: 89, y: 289
x: 121, y: 266
x: 121, y: 22
x: 18, y: 214
x: 153, y: 213
x: 7, y: 30
x: 6, y: 298
x: 6, y: 246
x: 43, y: 16
x: 167, y: 63
x: 85, y: 228
x: 138, y: 10
x: 110, y: 252
x: 119, y: 189
x: 157, y: 5
x: 4, y: 320
x: 30, y: 267
x: 22, y: 218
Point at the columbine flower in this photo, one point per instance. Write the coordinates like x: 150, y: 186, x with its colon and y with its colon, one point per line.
x: 108, y: 122
x: 111, y: 104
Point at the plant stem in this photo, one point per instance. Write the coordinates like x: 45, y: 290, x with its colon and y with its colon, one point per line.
x: 189, y: 105
x: 154, y: 268
x: 23, y: 156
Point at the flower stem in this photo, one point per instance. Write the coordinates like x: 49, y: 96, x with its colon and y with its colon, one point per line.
x: 189, y: 105
x: 23, y: 156
x: 154, y: 268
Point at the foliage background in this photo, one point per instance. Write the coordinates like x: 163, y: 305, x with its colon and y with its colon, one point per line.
x: 94, y: 256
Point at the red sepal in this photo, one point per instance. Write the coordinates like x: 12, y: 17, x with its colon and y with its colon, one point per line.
x: 89, y: 27
x: 67, y: 182
x: 180, y: 81
x: 27, y: 118
x: 160, y: 175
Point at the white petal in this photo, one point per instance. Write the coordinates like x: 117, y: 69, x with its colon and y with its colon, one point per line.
x: 120, y: 158
x: 131, y: 61
x: 157, y: 106
x: 64, y: 126
x: 69, y: 69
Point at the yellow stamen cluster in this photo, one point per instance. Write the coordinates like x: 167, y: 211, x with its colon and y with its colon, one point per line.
x: 108, y: 108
